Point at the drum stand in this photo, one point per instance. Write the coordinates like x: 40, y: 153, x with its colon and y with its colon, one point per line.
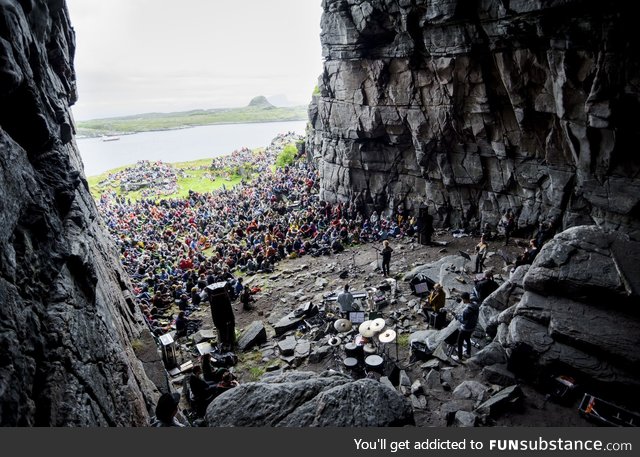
x: 334, y: 353
x: 336, y: 359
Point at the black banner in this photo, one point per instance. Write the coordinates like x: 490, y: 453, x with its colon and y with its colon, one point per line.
x: 373, y: 442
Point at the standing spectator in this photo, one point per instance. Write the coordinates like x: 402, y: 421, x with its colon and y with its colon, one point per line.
x: 425, y: 225
x: 237, y: 288
x: 508, y: 224
x: 468, y: 320
x: 481, y: 254
x: 386, y: 257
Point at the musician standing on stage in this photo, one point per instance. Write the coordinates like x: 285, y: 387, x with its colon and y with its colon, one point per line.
x: 386, y: 257
x: 345, y: 300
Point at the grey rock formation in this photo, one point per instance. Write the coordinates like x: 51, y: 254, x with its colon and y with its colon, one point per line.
x: 498, y: 374
x: 477, y: 107
x: 578, y: 314
x: 589, y: 265
x: 471, y: 390
x: 66, y: 326
x: 445, y: 271
x: 507, y: 399
x: 465, y: 419
x: 491, y: 354
x: 432, y: 381
x: 509, y: 292
x: 304, y: 399
x: 449, y: 409
x: 253, y: 335
x: 288, y: 345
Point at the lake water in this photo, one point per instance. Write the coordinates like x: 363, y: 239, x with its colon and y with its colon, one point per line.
x: 179, y: 145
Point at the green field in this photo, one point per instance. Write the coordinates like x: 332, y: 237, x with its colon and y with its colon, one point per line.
x: 194, y: 181
x: 167, y: 121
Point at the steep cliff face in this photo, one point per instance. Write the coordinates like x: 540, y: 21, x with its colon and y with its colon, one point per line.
x: 474, y: 107
x: 66, y: 329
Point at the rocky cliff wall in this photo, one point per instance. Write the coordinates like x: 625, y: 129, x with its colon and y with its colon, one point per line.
x: 66, y: 329
x: 473, y: 107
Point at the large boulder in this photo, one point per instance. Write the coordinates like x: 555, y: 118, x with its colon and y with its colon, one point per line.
x: 509, y: 292
x: 498, y: 374
x: 447, y: 271
x: 255, y: 334
x: 305, y: 399
x: 491, y: 354
x: 579, y: 314
x: 506, y: 399
x: 471, y: 390
x: 589, y: 265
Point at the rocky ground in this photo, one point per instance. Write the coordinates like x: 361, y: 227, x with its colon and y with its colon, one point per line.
x: 433, y: 387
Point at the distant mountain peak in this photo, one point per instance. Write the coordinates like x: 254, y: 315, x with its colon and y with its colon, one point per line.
x: 261, y: 102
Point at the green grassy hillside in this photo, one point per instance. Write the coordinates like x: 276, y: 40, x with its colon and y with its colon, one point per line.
x: 165, y: 121
x: 195, y: 176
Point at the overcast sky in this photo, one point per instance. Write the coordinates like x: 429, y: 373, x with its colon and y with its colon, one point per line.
x: 136, y: 56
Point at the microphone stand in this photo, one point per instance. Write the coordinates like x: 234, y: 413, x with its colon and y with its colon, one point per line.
x: 377, y: 260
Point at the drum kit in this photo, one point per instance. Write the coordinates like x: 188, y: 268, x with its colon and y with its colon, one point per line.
x: 364, y: 349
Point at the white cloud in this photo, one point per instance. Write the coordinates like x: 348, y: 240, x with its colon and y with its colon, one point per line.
x: 160, y: 55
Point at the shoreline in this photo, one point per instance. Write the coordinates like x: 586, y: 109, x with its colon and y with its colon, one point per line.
x: 179, y: 144
x: 169, y: 129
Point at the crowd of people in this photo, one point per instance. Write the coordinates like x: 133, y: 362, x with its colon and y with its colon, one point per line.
x: 154, y: 178
x: 172, y: 249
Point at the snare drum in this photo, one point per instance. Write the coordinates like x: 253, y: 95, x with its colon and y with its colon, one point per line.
x: 369, y: 349
x: 374, y: 363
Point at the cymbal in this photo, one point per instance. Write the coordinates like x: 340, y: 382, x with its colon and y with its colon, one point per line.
x: 388, y: 336
x: 366, y: 329
x: 378, y: 324
x: 342, y: 325
x: 334, y: 341
x: 365, y: 324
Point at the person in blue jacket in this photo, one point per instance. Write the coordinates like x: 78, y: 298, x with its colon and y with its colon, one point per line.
x: 468, y: 320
